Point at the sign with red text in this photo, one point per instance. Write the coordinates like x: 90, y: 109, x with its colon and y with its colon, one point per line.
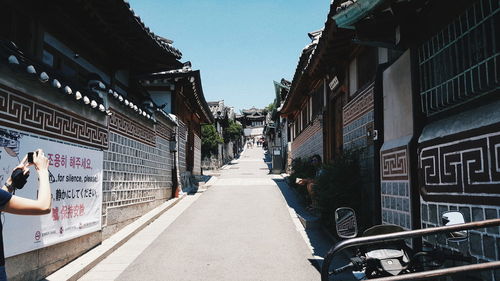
x: 76, y: 187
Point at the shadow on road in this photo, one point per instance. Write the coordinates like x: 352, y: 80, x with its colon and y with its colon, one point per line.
x: 318, y: 239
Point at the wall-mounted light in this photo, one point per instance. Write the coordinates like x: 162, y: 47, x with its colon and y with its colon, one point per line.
x: 78, y: 95
x: 86, y: 100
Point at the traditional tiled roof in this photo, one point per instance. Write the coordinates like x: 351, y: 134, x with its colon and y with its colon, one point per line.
x: 190, y: 78
x: 88, y: 95
x: 327, y: 43
x: 163, y: 43
x: 109, y: 28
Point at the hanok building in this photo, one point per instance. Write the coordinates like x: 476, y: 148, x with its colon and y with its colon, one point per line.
x: 253, y: 121
x: 69, y: 84
x: 180, y: 92
x: 303, y: 106
x: 417, y: 88
x: 276, y: 130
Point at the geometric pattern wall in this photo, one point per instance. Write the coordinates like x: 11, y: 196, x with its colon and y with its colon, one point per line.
x: 462, y: 168
x: 23, y: 112
x: 395, y: 187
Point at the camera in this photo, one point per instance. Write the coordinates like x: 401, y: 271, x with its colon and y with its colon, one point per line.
x: 30, y: 157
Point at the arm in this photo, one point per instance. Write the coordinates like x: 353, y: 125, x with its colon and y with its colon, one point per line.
x: 24, y: 206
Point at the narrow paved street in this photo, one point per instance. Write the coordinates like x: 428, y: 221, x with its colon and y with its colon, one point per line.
x: 239, y: 229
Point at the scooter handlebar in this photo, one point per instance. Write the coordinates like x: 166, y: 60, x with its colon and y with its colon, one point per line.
x: 349, y: 266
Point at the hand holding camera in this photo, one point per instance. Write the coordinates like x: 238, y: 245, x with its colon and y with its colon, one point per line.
x: 20, y: 173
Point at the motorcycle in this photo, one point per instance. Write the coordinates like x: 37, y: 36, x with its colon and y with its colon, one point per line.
x: 383, y: 253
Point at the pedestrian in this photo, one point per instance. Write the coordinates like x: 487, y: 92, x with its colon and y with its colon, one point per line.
x: 13, y: 204
x: 310, y: 182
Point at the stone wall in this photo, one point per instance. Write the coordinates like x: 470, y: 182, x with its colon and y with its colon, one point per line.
x: 483, y: 244
x: 136, y: 164
x: 458, y: 160
x: 136, y: 178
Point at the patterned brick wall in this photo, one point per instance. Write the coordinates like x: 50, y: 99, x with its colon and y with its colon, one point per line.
x: 30, y: 114
x: 309, y: 142
x: 462, y: 172
x: 358, y: 120
x: 395, y: 186
x: 357, y: 116
x: 483, y: 244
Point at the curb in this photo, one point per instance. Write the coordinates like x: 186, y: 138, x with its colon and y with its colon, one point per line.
x: 315, y: 223
x: 78, y: 267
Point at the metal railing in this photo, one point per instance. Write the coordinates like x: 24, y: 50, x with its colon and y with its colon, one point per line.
x: 397, y: 236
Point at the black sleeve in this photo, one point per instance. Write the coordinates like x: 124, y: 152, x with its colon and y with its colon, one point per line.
x: 4, y: 197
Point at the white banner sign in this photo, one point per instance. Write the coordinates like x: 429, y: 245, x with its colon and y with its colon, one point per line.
x: 76, y: 185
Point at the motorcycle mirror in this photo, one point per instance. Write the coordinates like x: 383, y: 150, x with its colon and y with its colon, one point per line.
x: 345, y: 221
x: 452, y: 218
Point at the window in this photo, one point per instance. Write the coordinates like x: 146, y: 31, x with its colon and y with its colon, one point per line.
x: 304, y: 117
x: 310, y: 116
x: 296, y: 125
x: 367, y: 66
x: 460, y: 62
x: 317, y: 101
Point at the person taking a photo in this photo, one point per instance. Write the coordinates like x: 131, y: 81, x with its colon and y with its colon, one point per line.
x: 13, y: 204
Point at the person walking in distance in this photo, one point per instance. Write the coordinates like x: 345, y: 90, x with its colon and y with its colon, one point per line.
x: 13, y: 204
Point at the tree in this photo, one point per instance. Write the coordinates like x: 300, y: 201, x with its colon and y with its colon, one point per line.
x: 210, y: 140
x: 270, y: 107
x: 233, y: 131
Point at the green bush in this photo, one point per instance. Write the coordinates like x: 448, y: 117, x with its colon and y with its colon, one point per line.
x: 233, y: 131
x: 339, y: 185
x: 210, y: 140
x: 301, y: 168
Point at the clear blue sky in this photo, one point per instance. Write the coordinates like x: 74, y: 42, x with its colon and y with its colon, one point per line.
x: 239, y: 46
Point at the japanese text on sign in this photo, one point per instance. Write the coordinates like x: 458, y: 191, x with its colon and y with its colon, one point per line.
x: 68, y: 212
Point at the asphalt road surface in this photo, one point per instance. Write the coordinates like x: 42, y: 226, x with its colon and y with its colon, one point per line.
x: 242, y: 227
